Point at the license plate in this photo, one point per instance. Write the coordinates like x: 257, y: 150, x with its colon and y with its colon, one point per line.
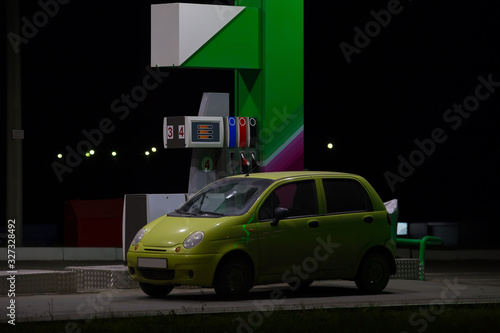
x: 151, y: 263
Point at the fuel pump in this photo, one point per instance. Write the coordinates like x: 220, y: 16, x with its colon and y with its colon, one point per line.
x: 222, y: 145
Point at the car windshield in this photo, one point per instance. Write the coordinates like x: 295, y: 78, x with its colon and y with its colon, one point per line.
x: 224, y: 197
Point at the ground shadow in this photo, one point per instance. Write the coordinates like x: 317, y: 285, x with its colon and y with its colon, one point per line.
x: 271, y: 292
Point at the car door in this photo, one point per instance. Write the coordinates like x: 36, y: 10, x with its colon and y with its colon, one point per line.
x: 348, y: 222
x: 285, y: 245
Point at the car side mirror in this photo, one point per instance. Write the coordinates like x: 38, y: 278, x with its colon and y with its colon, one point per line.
x: 280, y: 213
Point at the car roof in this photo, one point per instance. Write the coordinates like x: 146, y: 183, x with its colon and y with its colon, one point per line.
x: 295, y: 174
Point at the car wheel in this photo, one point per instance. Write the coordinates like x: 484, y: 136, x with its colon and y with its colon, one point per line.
x: 234, y: 279
x: 373, y: 273
x: 155, y: 290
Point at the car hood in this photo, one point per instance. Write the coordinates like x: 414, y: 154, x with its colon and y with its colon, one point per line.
x: 169, y: 231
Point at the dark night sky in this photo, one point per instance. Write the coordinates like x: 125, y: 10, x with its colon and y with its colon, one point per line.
x: 395, y: 91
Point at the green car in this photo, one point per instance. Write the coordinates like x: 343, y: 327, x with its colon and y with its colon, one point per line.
x: 263, y: 228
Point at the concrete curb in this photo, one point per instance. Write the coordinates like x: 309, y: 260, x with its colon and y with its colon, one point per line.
x: 66, y: 253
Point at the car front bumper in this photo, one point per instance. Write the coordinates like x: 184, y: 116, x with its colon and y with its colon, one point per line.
x: 181, y: 269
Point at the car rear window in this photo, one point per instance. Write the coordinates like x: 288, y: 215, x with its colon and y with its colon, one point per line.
x: 346, y: 195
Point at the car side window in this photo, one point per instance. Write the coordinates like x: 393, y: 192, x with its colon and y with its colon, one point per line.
x: 346, y: 195
x: 299, y: 198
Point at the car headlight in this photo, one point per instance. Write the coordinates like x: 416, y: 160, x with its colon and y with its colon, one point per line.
x: 194, y: 239
x: 138, y: 236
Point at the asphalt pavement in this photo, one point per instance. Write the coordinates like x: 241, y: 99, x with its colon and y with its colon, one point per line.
x: 447, y: 282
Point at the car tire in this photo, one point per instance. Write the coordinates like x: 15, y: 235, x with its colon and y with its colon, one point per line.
x: 373, y: 273
x: 234, y: 279
x: 155, y: 291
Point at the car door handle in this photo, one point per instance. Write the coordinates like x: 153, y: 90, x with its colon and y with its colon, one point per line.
x: 313, y: 224
x: 368, y: 219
